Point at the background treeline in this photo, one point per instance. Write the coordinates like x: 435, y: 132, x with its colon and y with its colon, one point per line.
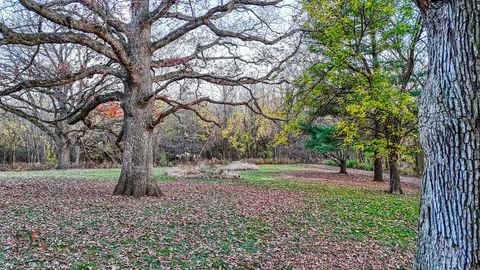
x: 232, y: 133
x: 236, y: 133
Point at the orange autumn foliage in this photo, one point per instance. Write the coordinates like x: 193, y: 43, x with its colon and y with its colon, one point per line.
x: 112, y: 110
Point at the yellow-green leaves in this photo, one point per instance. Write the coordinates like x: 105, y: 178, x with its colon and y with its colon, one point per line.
x: 361, y: 77
x: 380, y: 119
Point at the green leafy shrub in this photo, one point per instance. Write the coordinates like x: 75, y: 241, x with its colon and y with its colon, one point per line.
x: 51, y: 156
x: 330, y: 162
x: 351, y: 163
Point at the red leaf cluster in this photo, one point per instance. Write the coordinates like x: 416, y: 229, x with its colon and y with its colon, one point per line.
x: 112, y: 110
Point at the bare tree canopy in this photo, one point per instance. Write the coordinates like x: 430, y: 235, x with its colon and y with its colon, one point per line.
x: 157, y: 50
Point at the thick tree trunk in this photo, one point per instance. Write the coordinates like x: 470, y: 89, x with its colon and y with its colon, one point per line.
x: 449, y: 236
x: 395, y: 184
x: 343, y: 166
x: 63, y: 155
x: 377, y: 170
x: 136, y: 178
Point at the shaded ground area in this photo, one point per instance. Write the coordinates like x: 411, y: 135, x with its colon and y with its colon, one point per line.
x: 258, y: 222
x: 414, y: 181
x: 354, y: 178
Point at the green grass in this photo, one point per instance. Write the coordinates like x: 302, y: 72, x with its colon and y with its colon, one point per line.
x: 91, y: 174
x: 206, y: 229
x: 358, y: 213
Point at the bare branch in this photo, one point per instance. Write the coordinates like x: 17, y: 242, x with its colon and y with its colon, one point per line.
x: 96, y: 8
x: 31, y: 118
x: 176, y: 106
x: 161, y: 10
x: 62, y: 80
x: 244, y: 37
x: 86, y: 27
x: 33, y: 39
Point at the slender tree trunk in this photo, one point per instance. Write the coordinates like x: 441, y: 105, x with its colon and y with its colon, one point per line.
x: 63, y: 154
x: 395, y: 184
x: 77, y: 154
x: 14, y: 153
x: 377, y: 170
x: 419, y: 164
x: 361, y: 156
x: 449, y: 227
x: 343, y: 166
x: 39, y: 153
x: 28, y: 153
x: 136, y: 177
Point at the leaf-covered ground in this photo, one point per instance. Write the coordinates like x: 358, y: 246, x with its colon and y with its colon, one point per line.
x: 69, y: 220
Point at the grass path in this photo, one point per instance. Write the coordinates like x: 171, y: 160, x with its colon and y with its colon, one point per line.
x: 69, y: 220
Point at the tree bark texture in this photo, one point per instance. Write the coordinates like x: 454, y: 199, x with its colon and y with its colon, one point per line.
x: 449, y: 133
x: 395, y: 184
x: 377, y: 170
x: 77, y: 154
x: 343, y: 166
x: 419, y: 164
x: 63, y: 154
x: 136, y: 177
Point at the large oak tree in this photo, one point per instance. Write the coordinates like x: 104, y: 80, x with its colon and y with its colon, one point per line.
x: 151, y: 46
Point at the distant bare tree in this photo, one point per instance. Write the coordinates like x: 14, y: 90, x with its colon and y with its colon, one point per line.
x: 48, y: 109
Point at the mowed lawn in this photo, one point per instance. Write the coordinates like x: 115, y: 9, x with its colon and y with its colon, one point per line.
x: 268, y: 219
